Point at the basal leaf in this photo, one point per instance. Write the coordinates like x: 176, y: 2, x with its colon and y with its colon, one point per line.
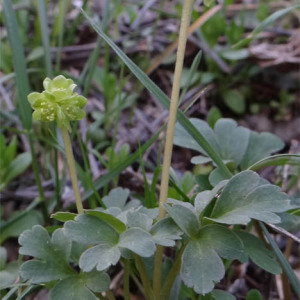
x: 101, y: 256
x: 108, y: 218
x: 138, y: 219
x: 260, y: 146
x: 165, y: 232
x: 184, y: 139
x: 138, y: 241
x: 90, y: 230
x: 246, y: 197
x: 233, y: 140
x: 185, y: 217
x: 51, y: 255
x: 258, y: 253
x: 81, y: 286
x: 116, y: 198
x: 222, y: 295
x: 201, y: 265
x: 63, y: 216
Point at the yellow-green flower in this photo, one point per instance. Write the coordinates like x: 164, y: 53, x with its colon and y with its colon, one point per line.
x: 58, y: 102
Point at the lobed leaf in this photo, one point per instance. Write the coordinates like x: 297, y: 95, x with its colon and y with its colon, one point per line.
x: 201, y: 265
x: 81, y: 286
x: 51, y: 255
x: 247, y: 196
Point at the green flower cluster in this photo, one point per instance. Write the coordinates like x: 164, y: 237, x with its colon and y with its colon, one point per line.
x: 58, y: 102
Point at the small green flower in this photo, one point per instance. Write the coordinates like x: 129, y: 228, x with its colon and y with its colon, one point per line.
x: 58, y: 102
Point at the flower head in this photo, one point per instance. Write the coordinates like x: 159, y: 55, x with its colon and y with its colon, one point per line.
x: 58, y: 102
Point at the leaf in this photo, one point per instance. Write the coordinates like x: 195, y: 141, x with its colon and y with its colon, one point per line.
x: 276, y: 160
x: 222, y: 295
x: 9, y: 274
x: 293, y: 279
x: 258, y: 253
x: 201, y: 265
x: 185, y: 218
x: 110, y: 219
x: 63, y: 216
x: 138, y: 219
x: 116, y: 198
x: 247, y: 196
x: 260, y: 146
x: 138, y: 241
x: 232, y: 139
x: 235, y: 100
x: 101, y: 256
x: 184, y: 139
x: 268, y: 21
x: 19, y: 64
x: 254, y: 295
x: 51, y: 255
x: 26, y: 221
x: 165, y: 232
x: 80, y: 286
x: 90, y: 230
x: 17, y: 166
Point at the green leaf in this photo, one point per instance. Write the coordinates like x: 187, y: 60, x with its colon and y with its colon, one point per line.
x: 101, y: 256
x: 260, y: 146
x: 81, y: 286
x: 138, y: 241
x: 51, y: 255
x: 9, y: 274
x: 165, y: 232
x: 222, y: 295
x: 254, y: 295
x: 17, y: 167
x: 258, y: 253
x: 268, y: 21
x: 201, y: 265
x: 293, y: 279
x: 185, y: 217
x: 111, y: 220
x: 63, y: 216
x: 235, y: 100
x: 248, y: 196
x: 90, y: 230
x: 3, y: 257
x: 19, y: 64
x: 232, y: 139
x: 26, y: 221
x: 157, y: 92
x: 116, y: 198
x: 276, y: 160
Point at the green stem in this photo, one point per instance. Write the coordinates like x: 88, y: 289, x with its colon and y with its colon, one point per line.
x: 71, y: 163
x: 110, y: 295
x: 183, y: 34
x: 126, y: 279
x: 144, y: 277
x: 165, y: 291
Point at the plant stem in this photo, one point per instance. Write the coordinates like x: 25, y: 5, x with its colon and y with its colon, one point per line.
x: 183, y: 34
x: 71, y: 163
x: 165, y: 291
x: 144, y: 277
x: 110, y: 295
x: 126, y: 279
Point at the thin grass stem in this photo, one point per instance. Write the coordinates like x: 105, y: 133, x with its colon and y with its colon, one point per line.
x: 183, y: 34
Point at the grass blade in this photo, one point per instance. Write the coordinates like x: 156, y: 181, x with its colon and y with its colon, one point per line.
x: 265, y: 23
x: 276, y: 160
x: 294, y: 281
x: 45, y: 36
x: 22, y: 81
x: 162, y: 97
